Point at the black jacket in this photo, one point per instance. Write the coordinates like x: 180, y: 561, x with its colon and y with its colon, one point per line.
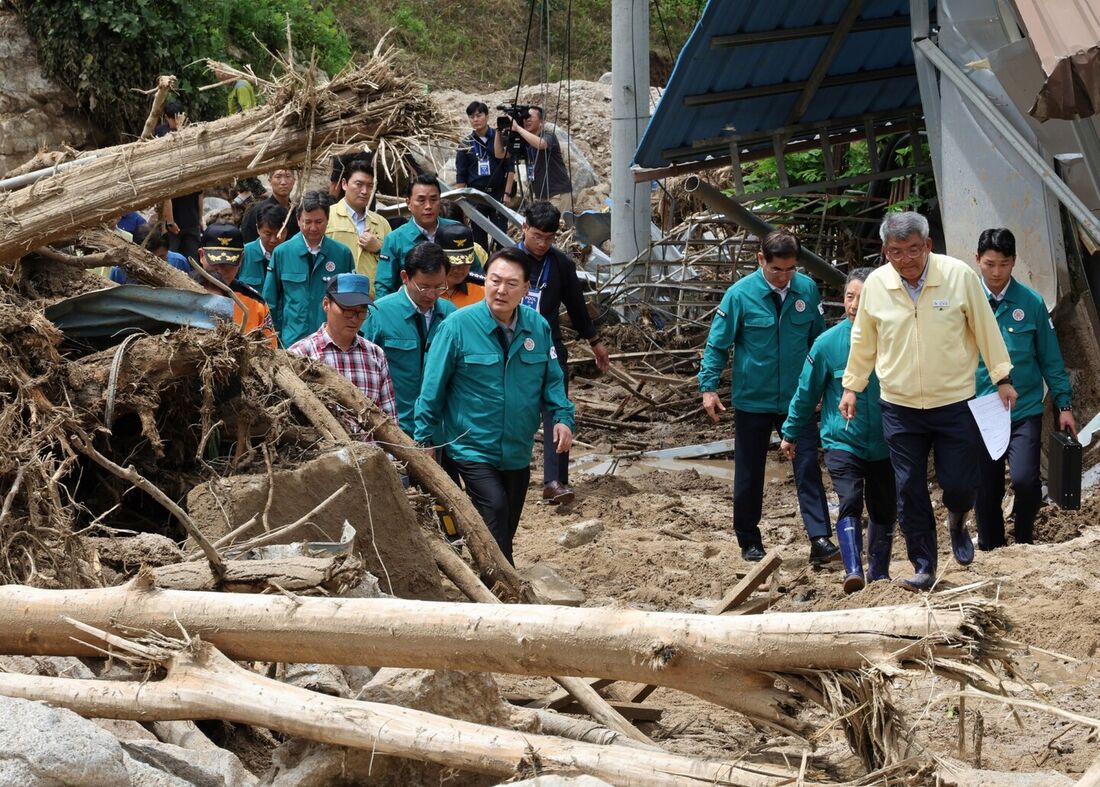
x: 561, y: 287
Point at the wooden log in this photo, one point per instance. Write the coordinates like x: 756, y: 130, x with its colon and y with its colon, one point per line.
x: 300, y: 119
x: 745, y: 588
x: 634, y: 711
x: 206, y: 685
x: 731, y: 661
x: 296, y: 574
x: 140, y: 264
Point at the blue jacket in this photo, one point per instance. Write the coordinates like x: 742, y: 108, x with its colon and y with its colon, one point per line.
x: 821, y: 381
x: 294, y: 288
x: 490, y: 402
x: 1029, y: 335
x: 175, y: 259
x: 767, y: 351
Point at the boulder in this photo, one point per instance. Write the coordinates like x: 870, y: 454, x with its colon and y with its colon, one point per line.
x: 580, y: 533
x: 205, y: 768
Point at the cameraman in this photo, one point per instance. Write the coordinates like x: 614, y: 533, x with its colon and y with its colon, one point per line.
x: 478, y: 167
x: 547, y: 178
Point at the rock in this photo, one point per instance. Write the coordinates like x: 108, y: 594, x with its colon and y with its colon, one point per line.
x: 42, y: 746
x: 125, y: 729
x: 323, y: 678
x: 142, y: 775
x: 205, y: 768
x: 561, y: 781
x: 128, y: 553
x: 551, y: 587
x: 580, y: 533
x: 605, y: 78
x: 581, y: 172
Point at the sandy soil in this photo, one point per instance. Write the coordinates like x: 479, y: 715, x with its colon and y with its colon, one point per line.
x: 668, y: 544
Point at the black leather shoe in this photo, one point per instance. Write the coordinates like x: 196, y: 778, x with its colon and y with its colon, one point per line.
x: 822, y: 550
x: 962, y: 545
x: 753, y: 554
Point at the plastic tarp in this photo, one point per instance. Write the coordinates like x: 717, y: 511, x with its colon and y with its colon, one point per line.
x: 1066, y: 37
x: 117, y: 311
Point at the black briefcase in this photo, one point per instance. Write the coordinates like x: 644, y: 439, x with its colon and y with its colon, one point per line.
x: 1064, y: 470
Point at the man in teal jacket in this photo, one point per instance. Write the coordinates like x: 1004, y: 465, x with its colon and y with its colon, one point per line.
x: 490, y: 373
x: 770, y: 318
x: 300, y: 270
x: 1029, y: 335
x: 405, y: 323
x: 424, y: 205
x: 257, y: 253
x: 855, y: 451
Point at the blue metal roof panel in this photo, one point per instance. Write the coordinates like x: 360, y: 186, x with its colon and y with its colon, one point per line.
x: 701, y: 69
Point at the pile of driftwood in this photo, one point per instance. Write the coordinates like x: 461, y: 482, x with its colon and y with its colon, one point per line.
x: 94, y: 436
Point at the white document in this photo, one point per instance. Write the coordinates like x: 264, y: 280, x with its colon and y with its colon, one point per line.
x: 994, y: 423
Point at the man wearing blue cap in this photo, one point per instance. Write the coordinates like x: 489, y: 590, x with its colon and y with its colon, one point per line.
x: 337, y: 342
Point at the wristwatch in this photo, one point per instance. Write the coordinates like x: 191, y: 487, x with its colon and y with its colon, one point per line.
x: 1006, y: 380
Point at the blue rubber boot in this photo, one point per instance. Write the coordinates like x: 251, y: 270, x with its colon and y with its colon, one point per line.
x: 849, y: 536
x: 880, y: 542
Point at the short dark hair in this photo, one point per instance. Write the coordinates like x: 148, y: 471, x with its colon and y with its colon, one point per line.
x: 423, y: 179
x: 513, y: 255
x: 857, y: 274
x: 363, y: 165
x: 542, y: 216
x: 426, y: 257
x: 313, y: 200
x: 451, y: 210
x: 999, y: 239
x: 173, y: 108
x: 542, y: 114
x: 271, y: 216
x: 780, y: 243
x: 476, y: 106
x: 154, y: 240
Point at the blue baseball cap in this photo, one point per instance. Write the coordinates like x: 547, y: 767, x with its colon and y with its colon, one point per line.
x: 350, y: 290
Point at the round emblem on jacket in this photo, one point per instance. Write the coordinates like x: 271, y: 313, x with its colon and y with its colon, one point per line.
x: 1018, y: 315
x: 528, y: 344
x: 330, y: 266
x: 800, y: 306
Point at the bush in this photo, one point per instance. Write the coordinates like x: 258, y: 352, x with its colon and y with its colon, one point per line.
x: 102, y: 49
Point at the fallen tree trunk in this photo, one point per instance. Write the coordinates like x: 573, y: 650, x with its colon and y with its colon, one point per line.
x: 140, y: 264
x: 295, y: 574
x: 300, y: 119
x: 731, y: 661
x: 204, y: 684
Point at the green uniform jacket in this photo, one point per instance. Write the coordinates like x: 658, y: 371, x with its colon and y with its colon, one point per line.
x: 822, y: 376
x: 242, y: 96
x: 489, y: 402
x: 1029, y: 335
x: 391, y: 258
x: 253, y: 269
x: 395, y: 325
x: 294, y: 288
x: 767, y: 353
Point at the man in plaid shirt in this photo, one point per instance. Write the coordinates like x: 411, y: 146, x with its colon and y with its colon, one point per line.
x: 338, y: 344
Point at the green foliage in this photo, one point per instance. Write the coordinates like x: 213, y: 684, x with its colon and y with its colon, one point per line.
x: 104, y: 49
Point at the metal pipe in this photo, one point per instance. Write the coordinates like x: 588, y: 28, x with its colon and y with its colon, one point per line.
x: 1042, y: 167
x: 27, y: 178
x: 743, y: 217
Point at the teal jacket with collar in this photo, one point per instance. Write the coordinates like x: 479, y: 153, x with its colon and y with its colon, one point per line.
x: 294, y: 288
x: 821, y: 381
x: 767, y: 351
x: 396, y: 326
x: 1033, y: 345
x: 391, y: 258
x: 253, y: 269
x: 489, y: 402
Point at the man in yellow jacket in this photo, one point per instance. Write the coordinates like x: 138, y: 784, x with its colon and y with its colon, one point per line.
x: 922, y: 321
x: 351, y: 223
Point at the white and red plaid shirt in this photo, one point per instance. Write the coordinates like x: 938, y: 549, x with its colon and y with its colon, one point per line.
x: 364, y: 364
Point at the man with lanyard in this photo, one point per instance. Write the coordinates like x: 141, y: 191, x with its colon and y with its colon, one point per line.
x: 547, y: 176
x: 257, y: 254
x: 351, y: 221
x: 1032, y: 344
x: 424, y: 205
x: 405, y: 322
x: 770, y: 319
x: 922, y: 322
x: 554, y: 282
x: 855, y: 451
x: 337, y: 342
x: 477, y: 167
x: 490, y: 372
x: 301, y: 269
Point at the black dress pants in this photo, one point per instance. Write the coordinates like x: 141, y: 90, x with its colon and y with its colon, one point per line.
x: 498, y: 496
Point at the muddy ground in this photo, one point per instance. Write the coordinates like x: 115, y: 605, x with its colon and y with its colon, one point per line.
x: 667, y: 544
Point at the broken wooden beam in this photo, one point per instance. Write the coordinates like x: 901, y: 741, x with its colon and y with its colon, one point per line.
x: 745, y: 588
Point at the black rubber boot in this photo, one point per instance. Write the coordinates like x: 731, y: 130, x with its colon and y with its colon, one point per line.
x: 922, y: 554
x: 962, y: 545
x: 880, y: 542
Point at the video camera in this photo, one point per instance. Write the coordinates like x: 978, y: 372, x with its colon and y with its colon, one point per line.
x: 513, y: 142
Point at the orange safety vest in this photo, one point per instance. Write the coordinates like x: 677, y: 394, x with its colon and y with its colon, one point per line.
x: 473, y: 294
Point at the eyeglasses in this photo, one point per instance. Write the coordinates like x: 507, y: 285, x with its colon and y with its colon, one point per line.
x: 912, y: 253
x: 430, y: 290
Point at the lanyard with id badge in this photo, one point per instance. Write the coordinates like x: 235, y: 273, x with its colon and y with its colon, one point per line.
x: 534, y: 294
x: 481, y: 150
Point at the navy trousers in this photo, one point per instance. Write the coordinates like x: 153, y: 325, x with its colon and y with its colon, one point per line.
x: 857, y: 481
x: 498, y: 495
x: 1023, y: 467
x: 555, y: 466
x: 752, y: 434
x: 951, y: 436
